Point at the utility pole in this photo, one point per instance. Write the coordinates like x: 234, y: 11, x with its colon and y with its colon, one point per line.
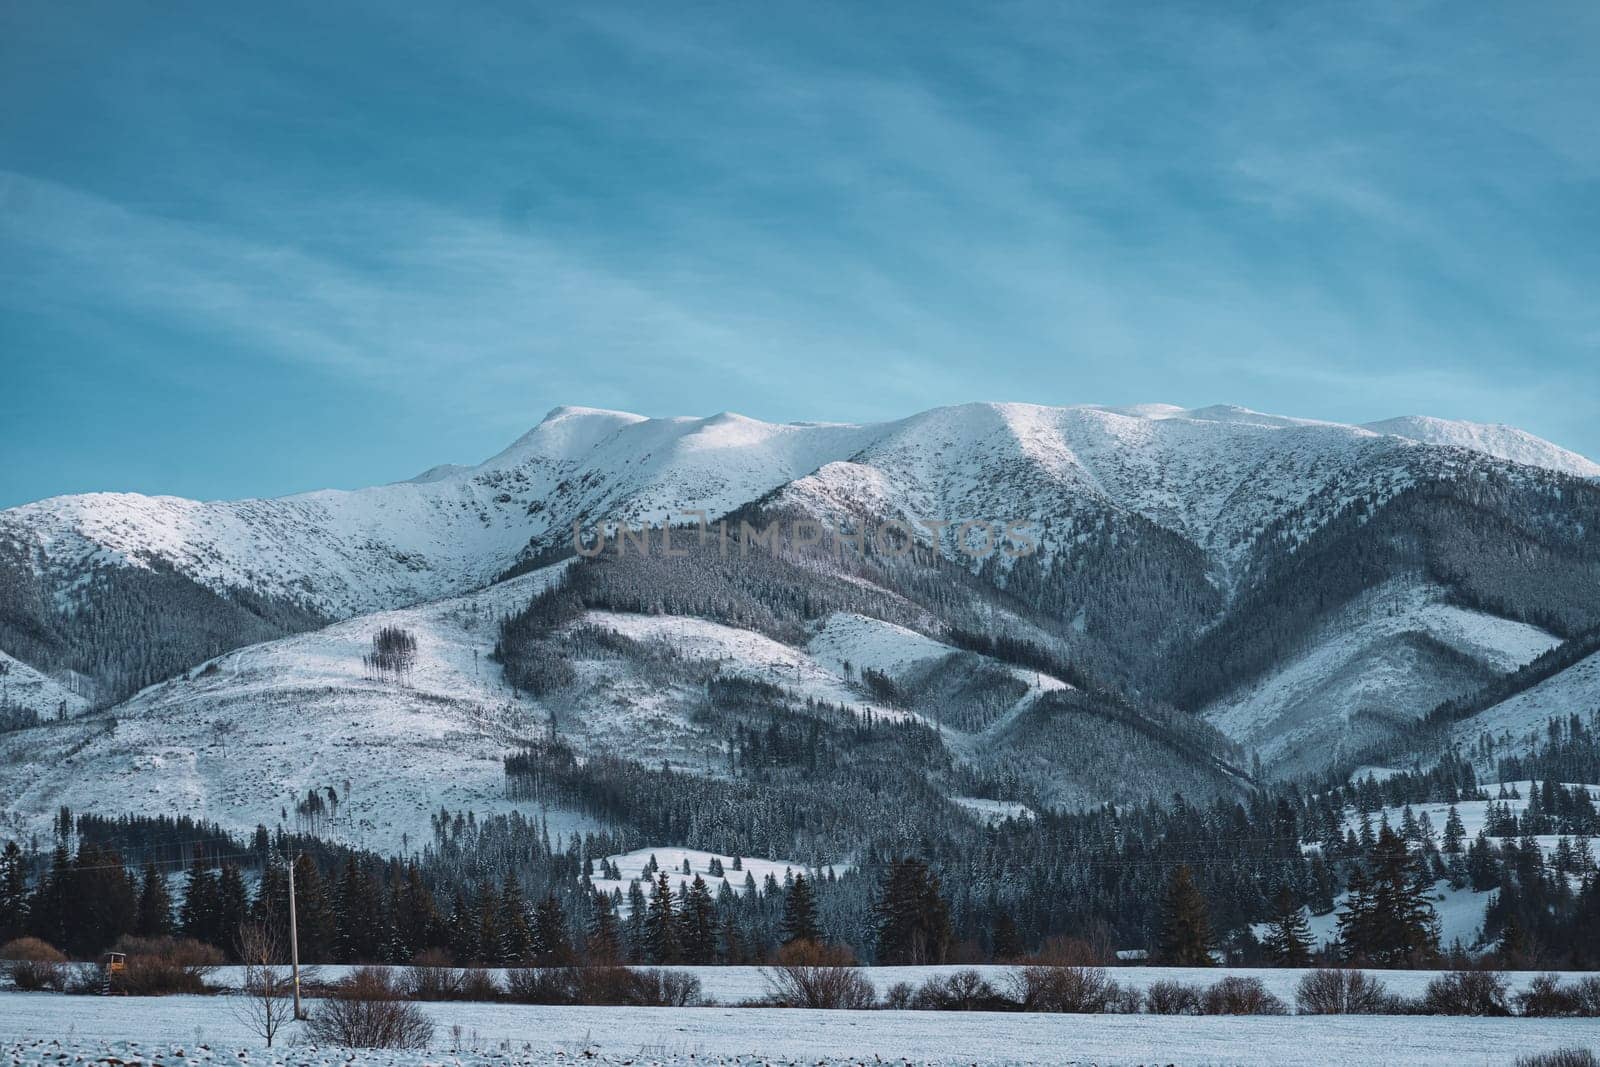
x: 294, y: 945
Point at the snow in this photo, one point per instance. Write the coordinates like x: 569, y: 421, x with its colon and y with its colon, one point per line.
x: 1363, y: 659
x: 994, y: 810
x: 632, y: 866
x: 1215, y: 474
x: 23, y: 687
x: 246, y: 735
x: 1501, y: 441
x: 40, y: 1029
x: 1522, y: 718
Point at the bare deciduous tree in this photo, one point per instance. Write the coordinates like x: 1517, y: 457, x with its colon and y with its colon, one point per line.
x: 267, y: 1001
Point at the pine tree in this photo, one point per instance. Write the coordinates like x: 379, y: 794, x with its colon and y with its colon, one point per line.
x: 13, y: 893
x: 517, y: 941
x: 233, y: 907
x: 49, y: 907
x: 552, y: 945
x: 1288, y: 940
x: 314, y: 918
x: 1004, y: 938
x: 604, y: 942
x: 697, y: 924
x: 1185, y: 922
x: 199, y: 916
x: 1454, y: 832
x: 912, y: 917
x: 800, y: 913
x: 661, y: 927
x: 1388, y: 920
x: 155, y: 904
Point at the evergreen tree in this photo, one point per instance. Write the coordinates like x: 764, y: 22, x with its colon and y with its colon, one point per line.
x: 1454, y: 832
x: 49, y: 907
x: 1388, y: 920
x: 233, y: 908
x: 697, y: 924
x: 13, y: 893
x: 517, y: 941
x: 1005, y: 941
x: 200, y: 916
x: 1185, y: 922
x: 913, y: 919
x: 359, y: 927
x: 638, y: 927
x: 155, y: 904
x: 552, y: 945
x: 661, y: 927
x: 604, y: 942
x: 1288, y: 940
x: 800, y: 913
x: 314, y: 918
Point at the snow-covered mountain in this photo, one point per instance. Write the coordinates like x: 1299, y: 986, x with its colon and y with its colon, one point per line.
x: 1213, y: 474
x: 1307, y: 588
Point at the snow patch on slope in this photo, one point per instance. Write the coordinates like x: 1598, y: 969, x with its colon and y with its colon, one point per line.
x: 244, y: 737
x: 1500, y: 441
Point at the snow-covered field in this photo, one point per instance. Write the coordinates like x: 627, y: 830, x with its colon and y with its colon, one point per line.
x: 41, y: 1029
x: 632, y: 865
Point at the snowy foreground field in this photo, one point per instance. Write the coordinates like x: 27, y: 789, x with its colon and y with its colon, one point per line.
x: 42, y: 1028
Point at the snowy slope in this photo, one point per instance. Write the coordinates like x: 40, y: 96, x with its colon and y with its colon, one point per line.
x: 1503, y: 442
x: 242, y: 739
x: 23, y: 687
x: 1521, y: 718
x: 1214, y: 474
x: 1379, y: 656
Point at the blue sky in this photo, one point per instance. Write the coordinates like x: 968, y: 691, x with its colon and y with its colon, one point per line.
x: 252, y: 249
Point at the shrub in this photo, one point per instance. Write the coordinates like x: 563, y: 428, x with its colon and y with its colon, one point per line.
x: 1561, y: 1057
x: 542, y: 985
x: 364, y: 1010
x: 1338, y: 992
x: 479, y: 984
x: 809, y: 975
x: 961, y: 991
x: 1235, y: 995
x: 1587, y: 992
x: 678, y: 989
x: 156, y: 966
x: 899, y: 996
x: 1546, y: 997
x: 33, y: 964
x: 1059, y: 988
x: 1167, y: 997
x: 1466, y: 993
x: 432, y: 977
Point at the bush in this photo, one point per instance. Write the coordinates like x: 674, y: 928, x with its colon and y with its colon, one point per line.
x: 1466, y: 993
x: 1167, y: 997
x: 1060, y: 988
x: 677, y: 989
x: 1337, y: 992
x: 33, y: 964
x: 542, y: 985
x: 1587, y: 992
x: 365, y: 1011
x: 1235, y: 995
x: 961, y: 991
x: 1547, y: 998
x: 432, y: 977
x: 1561, y: 1057
x: 809, y: 975
x: 899, y: 996
x: 479, y: 984
x: 156, y: 966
